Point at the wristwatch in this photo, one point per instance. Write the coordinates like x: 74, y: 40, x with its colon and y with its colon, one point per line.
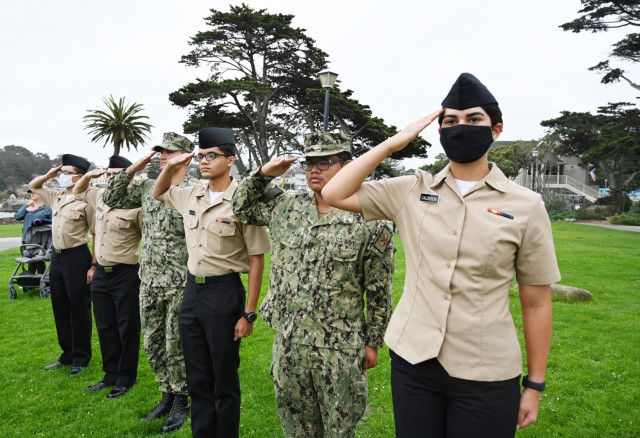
x: 250, y: 316
x: 526, y: 383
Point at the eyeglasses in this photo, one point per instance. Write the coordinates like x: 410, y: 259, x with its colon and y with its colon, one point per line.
x: 321, y: 164
x: 66, y: 172
x: 208, y: 156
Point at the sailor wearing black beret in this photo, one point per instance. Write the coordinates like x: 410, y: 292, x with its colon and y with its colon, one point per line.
x: 455, y: 358
x: 115, y: 284
x: 70, y: 268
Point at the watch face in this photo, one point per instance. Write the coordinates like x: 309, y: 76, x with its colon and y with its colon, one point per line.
x: 251, y: 317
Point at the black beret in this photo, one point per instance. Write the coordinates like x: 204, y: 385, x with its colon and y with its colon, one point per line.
x: 74, y: 160
x: 118, y: 162
x: 468, y: 92
x: 212, y: 137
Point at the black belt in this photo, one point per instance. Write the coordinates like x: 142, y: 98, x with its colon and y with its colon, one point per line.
x: 114, y: 268
x: 203, y: 279
x: 71, y: 250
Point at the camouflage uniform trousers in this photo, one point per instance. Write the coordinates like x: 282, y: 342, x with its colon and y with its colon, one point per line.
x: 320, y: 392
x: 159, y: 307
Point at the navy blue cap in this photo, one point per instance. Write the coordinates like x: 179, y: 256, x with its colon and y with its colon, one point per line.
x: 468, y: 92
x: 74, y: 160
x: 118, y: 162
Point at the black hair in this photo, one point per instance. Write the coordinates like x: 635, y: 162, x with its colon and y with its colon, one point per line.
x: 228, y: 149
x: 345, y: 156
x: 80, y: 170
x: 492, y: 110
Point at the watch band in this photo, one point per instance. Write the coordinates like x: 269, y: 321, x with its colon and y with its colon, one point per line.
x: 250, y: 316
x: 538, y: 386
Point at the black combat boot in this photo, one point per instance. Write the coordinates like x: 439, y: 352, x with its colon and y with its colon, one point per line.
x: 162, y: 409
x: 178, y: 414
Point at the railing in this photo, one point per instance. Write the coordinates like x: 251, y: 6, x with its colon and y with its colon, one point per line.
x: 560, y: 181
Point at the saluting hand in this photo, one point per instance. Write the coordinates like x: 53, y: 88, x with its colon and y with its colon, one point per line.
x: 95, y: 173
x: 277, y: 166
x: 411, y: 131
x: 53, y: 172
x: 180, y: 160
x: 141, y: 163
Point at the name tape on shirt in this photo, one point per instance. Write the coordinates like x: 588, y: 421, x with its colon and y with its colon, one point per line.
x: 430, y: 198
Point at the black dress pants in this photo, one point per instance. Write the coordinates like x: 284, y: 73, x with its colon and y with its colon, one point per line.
x: 428, y: 402
x: 116, y: 308
x: 71, y: 302
x: 207, y: 321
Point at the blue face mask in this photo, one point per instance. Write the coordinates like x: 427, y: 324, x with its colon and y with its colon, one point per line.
x: 466, y: 143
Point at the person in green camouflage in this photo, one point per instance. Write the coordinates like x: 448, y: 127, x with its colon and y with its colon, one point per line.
x: 163, y: 273
x: 323, y: 263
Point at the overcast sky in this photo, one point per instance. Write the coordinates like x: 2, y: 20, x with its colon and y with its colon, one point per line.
x: 400, y: 58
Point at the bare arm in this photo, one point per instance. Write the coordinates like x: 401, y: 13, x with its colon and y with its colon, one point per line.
x: 83, y: 184
x: 39, y: 181
x: 163, y: 183
x: 537, y: 322
x: 341, y: 191
x: 256, y: 269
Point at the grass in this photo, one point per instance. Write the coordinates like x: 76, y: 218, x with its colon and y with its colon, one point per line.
x: 13, y: 230
x: 592, y: 379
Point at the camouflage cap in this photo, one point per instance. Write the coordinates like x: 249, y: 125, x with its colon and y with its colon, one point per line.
x: 320, y: 144
x: 174, y: 142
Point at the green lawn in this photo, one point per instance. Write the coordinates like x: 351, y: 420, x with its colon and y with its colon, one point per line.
x: 592, y: 380
x: 13, y: 230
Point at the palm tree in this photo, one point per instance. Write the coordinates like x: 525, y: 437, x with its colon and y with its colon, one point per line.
x: 119, y: 124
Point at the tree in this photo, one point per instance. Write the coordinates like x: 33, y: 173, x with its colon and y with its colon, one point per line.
x: 601, y: 16
x: 439, y: 164
x: 153, y: 168
x: 121, y: 124
x: 18, y: 165
x: 610, y: 140
x: 262, y: 83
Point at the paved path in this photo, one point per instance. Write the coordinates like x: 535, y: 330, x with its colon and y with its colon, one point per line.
x: 613, y: 227
x: 9, y: 242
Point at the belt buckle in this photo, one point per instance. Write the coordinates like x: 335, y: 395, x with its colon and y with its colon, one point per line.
x: 58, y: 251
x: 200, y: 279
x: 108, y: 269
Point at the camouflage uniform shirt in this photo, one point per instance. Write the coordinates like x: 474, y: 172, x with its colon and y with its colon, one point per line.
x: 163, y: 260
x: 320, y: 269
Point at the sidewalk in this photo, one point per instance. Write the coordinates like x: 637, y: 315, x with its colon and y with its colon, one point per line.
x: 611, y: 227
x: 9, y: 242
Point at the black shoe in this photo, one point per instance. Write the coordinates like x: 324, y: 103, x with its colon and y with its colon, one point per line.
x: 178, y: 414
x: 161, y: 409
x: 117, y: 391
x: 98, y: 386
x: 53, y: 366
x: 76, y: 370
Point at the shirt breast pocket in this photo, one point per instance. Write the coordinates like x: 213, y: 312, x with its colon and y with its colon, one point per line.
x: 221, y: 237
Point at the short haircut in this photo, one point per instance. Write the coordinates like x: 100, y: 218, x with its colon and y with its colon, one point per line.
x: 80, y: 170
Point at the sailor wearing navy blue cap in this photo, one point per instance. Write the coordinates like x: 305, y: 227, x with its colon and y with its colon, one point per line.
x: 115, y: 286
x: 213, y: 316
x: 70, y: 268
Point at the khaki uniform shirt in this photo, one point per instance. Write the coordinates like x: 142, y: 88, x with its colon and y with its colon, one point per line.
x: 117, y: 231
x: 72, y: 218
x: 460, y: 262
x: 321, y: 269
x: 217, y: 242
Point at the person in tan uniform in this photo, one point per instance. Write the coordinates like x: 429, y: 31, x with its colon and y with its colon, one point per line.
x: 213, y: 317
x: 70, y: 269
x: 116, y: 285
x: 456, y: 360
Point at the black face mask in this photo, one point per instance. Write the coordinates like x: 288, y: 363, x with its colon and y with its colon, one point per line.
x: 466, y: 143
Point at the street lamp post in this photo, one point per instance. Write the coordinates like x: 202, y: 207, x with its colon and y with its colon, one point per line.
x: 535, y: 164
x: 327, y: 80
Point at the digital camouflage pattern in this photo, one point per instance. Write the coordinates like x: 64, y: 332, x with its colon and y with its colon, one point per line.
x: 319, y: 144
x: 320, y: 269
x: 163, y: 274
x: 320, y: 392
x: 175, y: 142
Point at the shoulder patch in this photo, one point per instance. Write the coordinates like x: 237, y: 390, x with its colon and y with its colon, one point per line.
x: 270, y: 194
x: 382, y: 239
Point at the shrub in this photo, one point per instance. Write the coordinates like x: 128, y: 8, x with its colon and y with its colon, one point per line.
x: 557, y: 204
x: 626, y: 219
x: 587, y: 215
